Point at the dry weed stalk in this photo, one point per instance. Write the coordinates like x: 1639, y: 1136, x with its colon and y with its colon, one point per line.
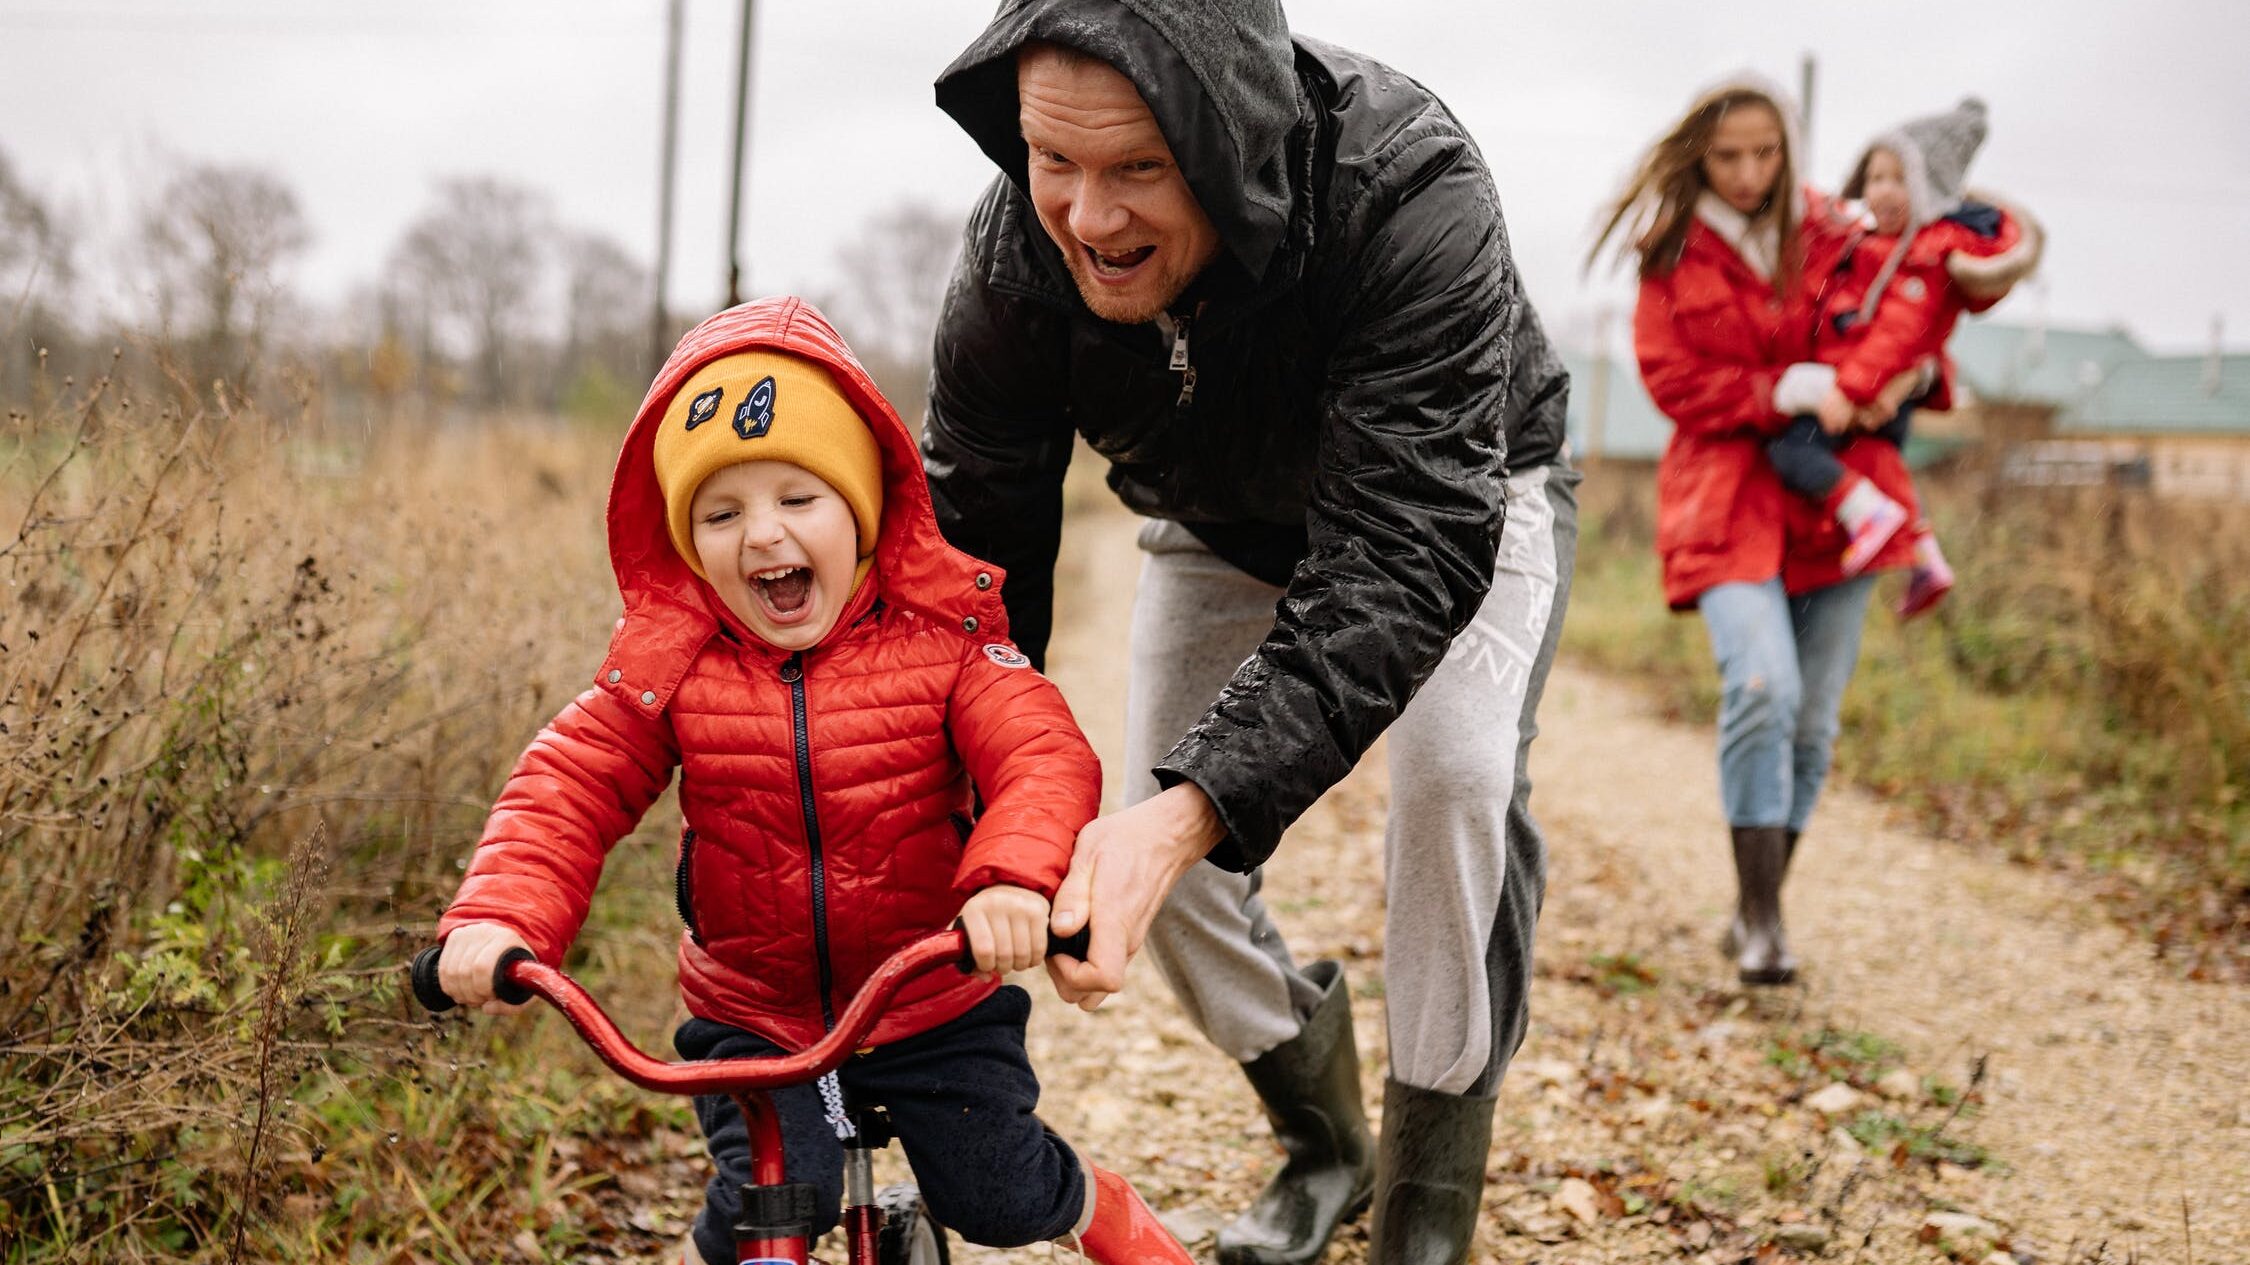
x: 220, y: 634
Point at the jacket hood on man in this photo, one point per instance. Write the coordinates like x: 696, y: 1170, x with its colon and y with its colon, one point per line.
x: 1218, y: 74
x: 670, y: 612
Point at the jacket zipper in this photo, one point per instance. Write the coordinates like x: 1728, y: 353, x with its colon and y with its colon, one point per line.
x: 1181, y: 364
x: 793, y: 673
x: 683, y: 892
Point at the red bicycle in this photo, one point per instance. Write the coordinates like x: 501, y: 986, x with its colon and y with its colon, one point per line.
x: 775, y: 1225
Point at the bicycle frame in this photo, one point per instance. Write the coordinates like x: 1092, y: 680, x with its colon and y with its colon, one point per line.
x: 774, y: 1227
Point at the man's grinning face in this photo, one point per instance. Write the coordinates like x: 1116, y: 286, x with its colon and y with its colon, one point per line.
x: 1106, y: 188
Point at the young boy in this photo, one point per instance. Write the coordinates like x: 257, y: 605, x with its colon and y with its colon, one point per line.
x: 1898, y: 291
x: 836, y: 685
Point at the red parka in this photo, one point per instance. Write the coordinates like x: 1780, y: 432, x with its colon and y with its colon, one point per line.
x: 1713, y: 339
x: 1920, y: 306
x: 827, y: 794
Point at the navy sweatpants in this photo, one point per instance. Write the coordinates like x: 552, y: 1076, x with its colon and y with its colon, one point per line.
x: 960, y: 1098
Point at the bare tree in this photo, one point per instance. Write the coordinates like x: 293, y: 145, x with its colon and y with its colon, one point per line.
x: 478, y: 258
x: 894, y: 274
x: 34, y: 252
x: 216, y: 239
x: 35, y: 275
x: 605, y: 292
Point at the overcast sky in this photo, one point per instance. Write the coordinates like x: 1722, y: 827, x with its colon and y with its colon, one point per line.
x: 2125, y: 127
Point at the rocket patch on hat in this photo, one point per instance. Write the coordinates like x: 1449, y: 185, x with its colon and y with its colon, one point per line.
x: 705, y: 407
x: 754, y: 416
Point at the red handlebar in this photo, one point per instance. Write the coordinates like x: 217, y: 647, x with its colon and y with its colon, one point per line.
x: 735, y: 1076
x: 533, y: 978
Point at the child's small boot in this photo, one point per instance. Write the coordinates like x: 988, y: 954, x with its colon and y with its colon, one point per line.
x: 1122, y: 1230
x: 1930, y: 580
x: 1872, y: 519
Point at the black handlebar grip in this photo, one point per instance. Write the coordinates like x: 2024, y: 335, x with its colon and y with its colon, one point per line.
x: 507, y: 989
x: 1070, y: 946
x: 437, y: 1001
x: 426, y: 988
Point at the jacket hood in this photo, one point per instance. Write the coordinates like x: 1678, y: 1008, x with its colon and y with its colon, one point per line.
x: 1220, y: 76
x: 670, y: 612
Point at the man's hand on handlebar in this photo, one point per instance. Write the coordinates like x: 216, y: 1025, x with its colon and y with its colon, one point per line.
x: 1124, y: 866
x: 1007, y: 928
x: 465, y: 967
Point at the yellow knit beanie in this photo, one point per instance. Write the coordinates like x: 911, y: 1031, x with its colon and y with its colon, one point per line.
x: 765, y: 406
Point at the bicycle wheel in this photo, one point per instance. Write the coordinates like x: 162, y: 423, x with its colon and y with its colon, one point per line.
x: 909, y: 1236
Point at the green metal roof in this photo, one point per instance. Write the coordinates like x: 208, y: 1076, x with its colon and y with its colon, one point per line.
x: 2035, y: 365
x: 2185, y: 395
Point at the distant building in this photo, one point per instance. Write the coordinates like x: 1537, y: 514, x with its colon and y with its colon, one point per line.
x: 2186, y: 418
x: 2049, y: 407
x: 1611, y: 416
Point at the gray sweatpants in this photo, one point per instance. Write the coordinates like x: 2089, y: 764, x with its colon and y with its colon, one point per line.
x: 1465, y: 867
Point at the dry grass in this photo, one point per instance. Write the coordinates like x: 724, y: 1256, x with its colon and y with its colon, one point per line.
x: 257, y: 685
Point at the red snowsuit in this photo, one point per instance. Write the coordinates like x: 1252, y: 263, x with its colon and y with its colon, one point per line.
x: 1916, y: 314
x: 1712, y: 340
x: 826, y: 794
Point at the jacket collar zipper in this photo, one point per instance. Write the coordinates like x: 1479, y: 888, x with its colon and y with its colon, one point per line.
x: 793, y: 675
x: 1177, y: 329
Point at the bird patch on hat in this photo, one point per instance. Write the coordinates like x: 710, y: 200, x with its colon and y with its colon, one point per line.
x: 754, y: 416
x: 1006, y: 656
x: 704, y: 407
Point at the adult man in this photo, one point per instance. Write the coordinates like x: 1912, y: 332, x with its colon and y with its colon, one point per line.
x: 1268, y: 280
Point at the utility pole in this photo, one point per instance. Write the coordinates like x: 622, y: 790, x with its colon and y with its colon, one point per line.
x: 1804, y: 105
x: 741, y: 147
x: 660, y: 322
x: 1597, y: 394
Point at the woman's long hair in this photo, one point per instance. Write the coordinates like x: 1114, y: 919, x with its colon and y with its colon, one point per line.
x: 1658, y: 203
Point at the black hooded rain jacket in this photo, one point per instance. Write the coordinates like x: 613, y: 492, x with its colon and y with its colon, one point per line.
x: 1357, y: 370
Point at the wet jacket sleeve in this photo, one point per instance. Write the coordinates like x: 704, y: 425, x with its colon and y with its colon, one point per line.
x: 1405, y: 512
x: 996, y: 442
x: 582, y: 785
x: 1700, y: 390
x: 1040, y: 781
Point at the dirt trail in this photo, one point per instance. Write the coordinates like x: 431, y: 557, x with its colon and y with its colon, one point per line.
x: 1658, y: 1112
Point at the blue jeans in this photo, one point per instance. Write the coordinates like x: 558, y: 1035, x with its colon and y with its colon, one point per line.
x: 1783, y: 665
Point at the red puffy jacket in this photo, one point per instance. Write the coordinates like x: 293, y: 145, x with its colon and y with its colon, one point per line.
x: 1712, y: 340
x: 826, y: 794
x: 1918, y: 310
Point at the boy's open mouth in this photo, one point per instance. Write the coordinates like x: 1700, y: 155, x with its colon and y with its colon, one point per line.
x: 785, y: 591
x: 1120, y: 263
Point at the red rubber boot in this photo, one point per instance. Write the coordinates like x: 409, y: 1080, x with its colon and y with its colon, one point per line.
x: 1124, y: 1231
